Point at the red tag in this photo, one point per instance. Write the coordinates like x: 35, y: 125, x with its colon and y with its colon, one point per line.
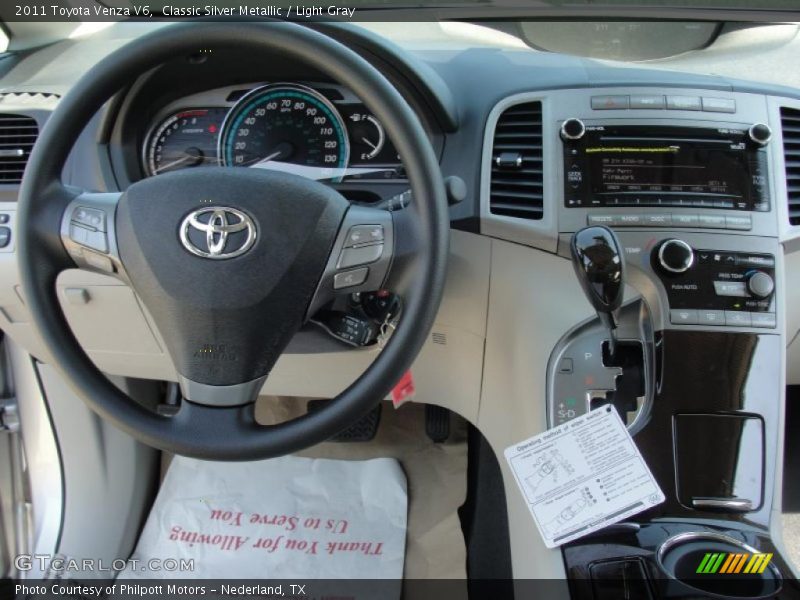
x: 404, y: 390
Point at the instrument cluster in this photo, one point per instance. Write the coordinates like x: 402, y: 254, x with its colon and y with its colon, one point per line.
x: 322, y: 132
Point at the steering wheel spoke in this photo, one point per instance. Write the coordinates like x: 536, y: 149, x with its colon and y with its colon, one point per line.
x: 88, y: 232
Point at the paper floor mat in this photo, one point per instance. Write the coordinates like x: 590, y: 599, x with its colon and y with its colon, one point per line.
x: 284, y: 518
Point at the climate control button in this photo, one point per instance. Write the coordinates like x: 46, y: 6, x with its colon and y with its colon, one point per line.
x: 675, y: 256
x: 760, y: 284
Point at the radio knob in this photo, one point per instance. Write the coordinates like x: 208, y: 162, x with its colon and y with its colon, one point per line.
x: 760, y: 284
x: 572, y: 129
x: 760, y: 133
x: 675, y: 256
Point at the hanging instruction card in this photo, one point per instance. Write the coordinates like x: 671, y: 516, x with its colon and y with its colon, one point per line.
x: 582, y: 476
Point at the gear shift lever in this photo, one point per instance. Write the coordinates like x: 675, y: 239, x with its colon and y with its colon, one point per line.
x: 600, y: 266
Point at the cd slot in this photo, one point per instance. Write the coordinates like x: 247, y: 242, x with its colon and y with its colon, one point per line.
x: 663, y: 140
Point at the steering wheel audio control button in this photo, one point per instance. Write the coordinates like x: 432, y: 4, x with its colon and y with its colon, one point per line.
x: 360, y: 235
x: 350, y: 278
x: 89, y: 217
x: 5, y: 237
x: 363, y: 255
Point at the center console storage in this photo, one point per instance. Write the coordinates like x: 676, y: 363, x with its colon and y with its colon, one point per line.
x: 719, y: 460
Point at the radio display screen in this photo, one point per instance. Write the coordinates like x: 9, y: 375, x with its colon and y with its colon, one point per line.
x: 623, y: 165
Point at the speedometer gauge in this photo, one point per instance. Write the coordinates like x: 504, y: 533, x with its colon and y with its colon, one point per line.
x: 286, y: 127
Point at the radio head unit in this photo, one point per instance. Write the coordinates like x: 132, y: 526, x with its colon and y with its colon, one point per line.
x: 642, y: 165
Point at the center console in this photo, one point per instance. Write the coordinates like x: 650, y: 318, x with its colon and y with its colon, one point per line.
x: 689, y: 193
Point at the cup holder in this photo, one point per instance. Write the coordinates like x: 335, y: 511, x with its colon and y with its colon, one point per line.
x: 681, y: 556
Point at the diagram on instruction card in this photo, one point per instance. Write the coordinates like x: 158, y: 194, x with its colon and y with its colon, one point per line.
x: 549, y: 469
x: 577, y: 502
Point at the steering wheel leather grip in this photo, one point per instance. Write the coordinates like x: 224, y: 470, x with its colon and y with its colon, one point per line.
x: 146, y: 252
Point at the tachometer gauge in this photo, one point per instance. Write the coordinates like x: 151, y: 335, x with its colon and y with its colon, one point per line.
x: 187, y: 138
x: 286, y: 127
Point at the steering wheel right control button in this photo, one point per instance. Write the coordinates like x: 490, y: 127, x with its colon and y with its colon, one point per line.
x: 347, y: 279
x: 360, y: 235
x: 362, y: 255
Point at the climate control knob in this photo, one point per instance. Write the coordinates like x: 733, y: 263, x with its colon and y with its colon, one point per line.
x: 760, y: 284
x: 675, y: 256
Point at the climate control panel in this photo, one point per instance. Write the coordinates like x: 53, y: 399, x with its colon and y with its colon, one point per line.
x: 716, y: 288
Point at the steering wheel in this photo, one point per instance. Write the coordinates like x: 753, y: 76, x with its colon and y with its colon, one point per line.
x: 229, y: 262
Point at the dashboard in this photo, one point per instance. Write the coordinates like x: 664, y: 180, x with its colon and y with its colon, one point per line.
x: 704, y: 198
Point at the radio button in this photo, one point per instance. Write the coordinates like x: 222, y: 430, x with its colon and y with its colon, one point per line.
x: 572, y: 129
x: 711, y: 317
x: 723, y: 105
x: 743, y: 223
x: 712, y: 221
x: 648, y: 101
x: 630, y: 220
x: 683, y: 316
x: 760, y: 133
x: 738, y: 318
x: 607, y: 220
x: 765, y: 320
x: 684, y: 103
x: 658, y: 220
x: 684, y: 220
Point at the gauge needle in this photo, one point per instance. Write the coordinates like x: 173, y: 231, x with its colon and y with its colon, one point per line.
x: 283, y: 150
x: 368, y: 143
x: 193, y: 154
x: 174, y: 163
x: 266, y: 159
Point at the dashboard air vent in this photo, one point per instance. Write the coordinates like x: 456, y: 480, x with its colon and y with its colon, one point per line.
x: 516, y: 179
x: 790, y: 121
x: 17, y: 135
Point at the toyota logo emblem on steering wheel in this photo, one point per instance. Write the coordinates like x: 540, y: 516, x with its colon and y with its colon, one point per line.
x: 218, y: 242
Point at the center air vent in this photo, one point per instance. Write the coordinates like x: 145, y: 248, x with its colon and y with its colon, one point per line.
x: 790, y: 120
x: 17, y: 135
x: 516, y: 179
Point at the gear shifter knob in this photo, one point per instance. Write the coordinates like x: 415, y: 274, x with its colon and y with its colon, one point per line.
x: 600, y: 266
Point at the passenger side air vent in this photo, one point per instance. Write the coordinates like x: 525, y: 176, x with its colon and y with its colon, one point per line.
x: 17, y: 135
x: 790, y: 121
x: 516, y: 179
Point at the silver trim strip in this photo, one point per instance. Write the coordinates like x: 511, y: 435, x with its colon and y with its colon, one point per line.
x: 221, y: 395
x: 732, y: 504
